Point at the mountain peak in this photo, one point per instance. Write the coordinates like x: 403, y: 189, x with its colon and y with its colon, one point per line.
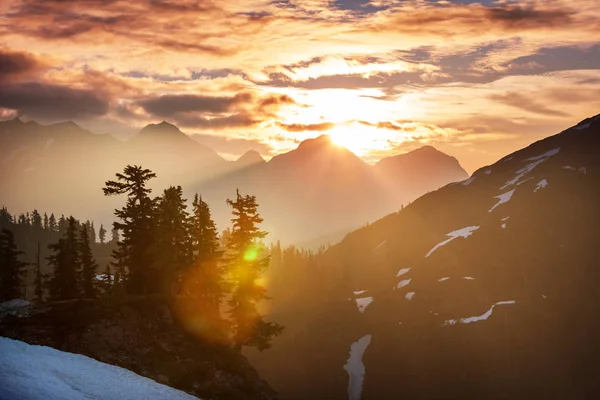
x: 319, y: 141
x: 161, y: 130
x: 250, y: 157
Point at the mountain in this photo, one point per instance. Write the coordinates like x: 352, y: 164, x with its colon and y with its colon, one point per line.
x: 320, y: 190
x: 249, y: 159
x: 486, y: 288
x: 307, y: 195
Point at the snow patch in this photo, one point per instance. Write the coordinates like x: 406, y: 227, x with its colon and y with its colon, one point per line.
x: 468, y: 278
x: 487, y: 172
x: 503, y: 226
x: 403, y: 283
x: 379, y: 245
x: 583, y: 170
x: 402, y: 272
x: 359, y: 292
x: 503, y: 198
x: 547, y: 154
x: 467, y: 182
x: 478, y: 318
x: 464, y: 232
x: 443, y: 279
x: 363, y: 302
x: 30, y: 372
x: 409, y: 295
x: 541, y: 185
x: 505, y: 219
x: 355, y: 367
x: 537, y: 160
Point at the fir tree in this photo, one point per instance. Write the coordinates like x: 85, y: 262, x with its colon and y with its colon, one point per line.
x: 12, y: 269
x: 246, y: 266
x: 102, y: 234
x: 62, y: 225
x: 209, y: 282
x: 172, y: 238
x: 88, y: 265
x: 114, y: 235
x: 39, y: 279
x: 36, y: 220
x: 107, y: 279
x: 136, y: 225
x: 45, y: 226
x: 52, y: 225
x: 64, y: 283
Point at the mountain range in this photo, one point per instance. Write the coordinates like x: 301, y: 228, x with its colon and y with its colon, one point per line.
x: 318, y: 190
x: 483, y: 289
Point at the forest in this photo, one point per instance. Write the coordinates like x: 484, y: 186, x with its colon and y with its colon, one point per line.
x: 157, y: 247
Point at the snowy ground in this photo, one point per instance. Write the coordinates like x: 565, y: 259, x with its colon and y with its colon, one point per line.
x: 37, y: 372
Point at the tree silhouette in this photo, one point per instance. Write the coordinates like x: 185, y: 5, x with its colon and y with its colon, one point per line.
x: 39, y: 279
x: 66, y: 262
x: 102, y: 234
x: 12, y: 269
x: 172, y: 249
x: 88, y: 265
x: 245, y: 266
x: 136, y: 225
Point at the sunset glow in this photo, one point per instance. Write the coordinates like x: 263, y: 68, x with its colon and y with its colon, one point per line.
x: 266, y: 75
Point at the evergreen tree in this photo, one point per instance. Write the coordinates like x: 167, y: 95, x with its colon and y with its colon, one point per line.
x: 102, y: 234
x: 136, y: 225
x: 6, y: 220
x: 12, y: 269
x: 52, y: 225
x: 62, y: 225
x: 107, y: 279
x: 114, y: 232
x: 36, y: 220
x: 209, y: 277
x: 39, y: 279
x: 64, y: 283
x: 246, y: 266
x: 45, y: 226
x: 172, y: 238
x: 88, y: 265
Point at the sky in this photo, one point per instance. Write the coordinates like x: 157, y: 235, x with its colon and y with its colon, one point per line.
x: 475, y: 79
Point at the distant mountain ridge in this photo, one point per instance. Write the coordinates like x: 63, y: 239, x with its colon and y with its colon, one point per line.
x: 485, y: 288
x: 313, y: 191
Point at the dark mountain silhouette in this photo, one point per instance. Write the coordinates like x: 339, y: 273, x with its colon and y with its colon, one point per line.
x: 316, y: 190
x: 483, y: 289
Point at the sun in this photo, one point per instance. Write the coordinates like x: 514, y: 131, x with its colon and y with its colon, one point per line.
x: 357, y: 139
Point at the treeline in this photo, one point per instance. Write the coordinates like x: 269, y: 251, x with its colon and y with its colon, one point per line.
x: 162, y: 250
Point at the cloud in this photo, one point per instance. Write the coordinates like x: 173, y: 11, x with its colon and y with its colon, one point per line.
x: 16, y: 64
x: 168, y: 105
x: 324, y: 126
x: 47, y: 101
x: 523, y: 102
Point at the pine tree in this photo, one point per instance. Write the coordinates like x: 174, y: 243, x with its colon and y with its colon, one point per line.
x: 88, y: 265
x: 39, y: 279
x: 45, y: 226
x: 12, y: 269
x: 107, y: 279
x: 172, y: 238
x: 102, y: 234
x: 246, y: 266
x: 64, y: 283
x: 209, y: 277
x: 114, y: 235
x: 136, y: 225
x: 52, y: 225
x: 62, y: 225
x: 36, y: 220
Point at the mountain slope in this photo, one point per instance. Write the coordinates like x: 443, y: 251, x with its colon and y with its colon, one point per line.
x: 483, y: 289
